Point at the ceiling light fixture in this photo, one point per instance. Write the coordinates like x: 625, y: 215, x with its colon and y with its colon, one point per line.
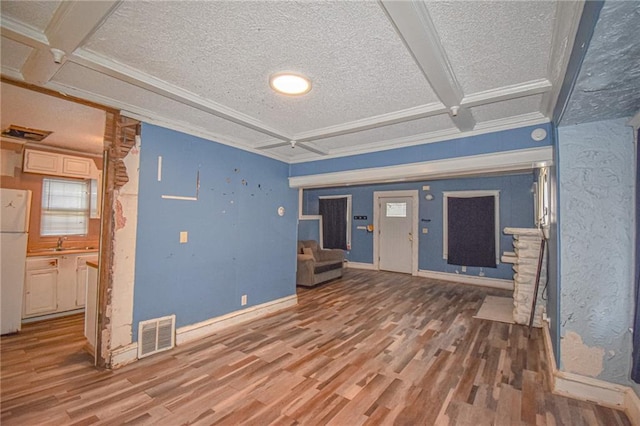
x: 290, y: 84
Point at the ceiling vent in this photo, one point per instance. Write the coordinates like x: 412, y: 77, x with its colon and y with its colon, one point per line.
x: 25, y: 134
x: 156, y: 335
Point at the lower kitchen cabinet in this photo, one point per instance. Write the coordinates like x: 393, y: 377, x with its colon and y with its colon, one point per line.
x: 55, y: 283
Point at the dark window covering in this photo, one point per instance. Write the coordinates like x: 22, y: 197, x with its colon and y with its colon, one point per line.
x: 635, y: 370
x: 471, y: 231
x: 334, y: 222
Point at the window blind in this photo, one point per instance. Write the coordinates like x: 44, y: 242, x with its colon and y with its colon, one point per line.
x: 65, y: 207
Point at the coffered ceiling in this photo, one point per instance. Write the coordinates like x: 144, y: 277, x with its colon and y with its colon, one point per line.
x: 384, y: 74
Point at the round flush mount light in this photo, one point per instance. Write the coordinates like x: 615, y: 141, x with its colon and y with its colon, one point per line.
x: 538, y: 134
x: 290, y: 84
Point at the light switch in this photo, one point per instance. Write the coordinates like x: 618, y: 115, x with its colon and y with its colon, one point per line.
x: 426, y: 187
x: 425, y: 230
x: 184, y: 237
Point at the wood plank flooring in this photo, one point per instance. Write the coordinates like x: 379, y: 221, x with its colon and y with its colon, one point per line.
x: 372, y: 348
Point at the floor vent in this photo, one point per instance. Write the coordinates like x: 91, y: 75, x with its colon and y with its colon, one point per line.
x: 156, y: 335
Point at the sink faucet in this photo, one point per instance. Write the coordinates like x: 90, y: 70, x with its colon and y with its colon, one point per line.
x: 60, y: 240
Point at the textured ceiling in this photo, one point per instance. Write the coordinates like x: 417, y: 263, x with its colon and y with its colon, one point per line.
x: 385, y: 74
x: 608, y: 84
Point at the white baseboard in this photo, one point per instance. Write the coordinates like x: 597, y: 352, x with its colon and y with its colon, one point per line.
x: 589, y: 389
x: 124, y: 355
x: 359, y: 265
x: 198, y: 330
x: 467, y: 279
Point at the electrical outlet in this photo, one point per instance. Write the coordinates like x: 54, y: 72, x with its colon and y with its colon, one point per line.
x: 464, y: 269
x: 184, y: 237
x: 425, y: 230
x: 243, y: 301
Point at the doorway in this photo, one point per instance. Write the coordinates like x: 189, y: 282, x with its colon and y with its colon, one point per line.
x: 395, y: 244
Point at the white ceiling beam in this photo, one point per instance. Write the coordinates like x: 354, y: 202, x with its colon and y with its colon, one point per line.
x: 72, y: 23
x: 565, y: 28
x: 506, y: 93
x: 421, y: 111
x: 414, y: 25
x: 19, y: 32
x: 145, y: 81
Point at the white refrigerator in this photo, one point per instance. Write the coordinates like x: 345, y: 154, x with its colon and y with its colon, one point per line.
x: 15, y: 207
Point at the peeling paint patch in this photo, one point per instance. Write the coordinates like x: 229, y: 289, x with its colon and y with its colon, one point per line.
x: 121, y: 220
x: 579, y: 358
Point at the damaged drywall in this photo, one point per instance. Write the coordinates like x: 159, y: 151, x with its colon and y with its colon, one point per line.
x: 120, y: 309
x: 580, y: 358
x: 595, y: 188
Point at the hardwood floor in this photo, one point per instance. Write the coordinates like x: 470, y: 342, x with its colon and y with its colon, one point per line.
x: 371, y: 348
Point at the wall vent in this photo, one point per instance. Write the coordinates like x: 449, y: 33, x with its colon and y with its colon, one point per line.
x: 156, y: 335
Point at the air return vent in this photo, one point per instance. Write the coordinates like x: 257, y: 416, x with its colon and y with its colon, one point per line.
x: 156, y: 335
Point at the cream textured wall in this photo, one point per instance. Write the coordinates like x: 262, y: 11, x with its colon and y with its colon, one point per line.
x: 596, y: 181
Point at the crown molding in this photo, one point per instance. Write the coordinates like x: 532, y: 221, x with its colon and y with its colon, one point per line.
x: 531, y: 119
x: 415, y: 27
x: 413, y: 113
x: 496, y: 162
x: 137, y: 78
x: 506, y: 93
x: 151, y: 117
x: 21, y: 33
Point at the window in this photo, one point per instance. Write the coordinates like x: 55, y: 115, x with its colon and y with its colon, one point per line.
x: 65, y: 207
x: 541, y: 199
x: 471, y: 228
x: 396, y: 209
x: 336, y: 221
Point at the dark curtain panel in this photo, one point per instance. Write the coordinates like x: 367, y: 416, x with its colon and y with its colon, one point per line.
x: 334, y: 222
x: 471, y: 230
x: 635, y: 370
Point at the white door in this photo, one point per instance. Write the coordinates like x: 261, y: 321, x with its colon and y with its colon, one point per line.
x: 395, y: 227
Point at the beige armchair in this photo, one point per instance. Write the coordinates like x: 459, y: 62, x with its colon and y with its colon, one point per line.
x: 316, y: 265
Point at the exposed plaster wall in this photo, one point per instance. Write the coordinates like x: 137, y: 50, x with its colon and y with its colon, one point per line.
x: 126, y: 214
x: 596, y: 187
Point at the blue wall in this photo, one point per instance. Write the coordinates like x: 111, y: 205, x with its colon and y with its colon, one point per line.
x: 596, y: 184
x: 506, y: 140
x: 516, y: 210
x: 237, y: 242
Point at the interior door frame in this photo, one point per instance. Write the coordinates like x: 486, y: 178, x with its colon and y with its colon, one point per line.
x: 413, y: 194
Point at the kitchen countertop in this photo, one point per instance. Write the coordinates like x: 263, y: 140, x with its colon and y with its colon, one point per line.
x: 52, y: 252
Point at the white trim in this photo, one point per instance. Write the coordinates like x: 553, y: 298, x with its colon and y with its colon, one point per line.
x: 467, y: 279
x: 55, y: 315
x: 413, y: 24
x: 589, y: 389
x: 124, y: 355
x: 360, y: 265
x: 155, y: 85
x: 205, y: 328
x: 470, y: 194
x: 415, y: 201
x: 349, y: 210
x: 492, y: 126
x: 534, y: 87
x: 507, y: 161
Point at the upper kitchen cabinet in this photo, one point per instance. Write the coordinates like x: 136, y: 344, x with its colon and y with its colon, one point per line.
x: 55, y: 164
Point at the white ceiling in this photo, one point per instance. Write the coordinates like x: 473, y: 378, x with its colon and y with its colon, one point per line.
x: 385, y: 74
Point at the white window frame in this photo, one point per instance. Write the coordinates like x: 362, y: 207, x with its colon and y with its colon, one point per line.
x: 87, y: 212
x: 348, y: 197
x: 469, y: 194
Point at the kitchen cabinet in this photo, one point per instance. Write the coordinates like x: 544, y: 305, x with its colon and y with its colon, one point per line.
x: 41, y: 287
x: 55, y: 164
x: 56, y: 283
